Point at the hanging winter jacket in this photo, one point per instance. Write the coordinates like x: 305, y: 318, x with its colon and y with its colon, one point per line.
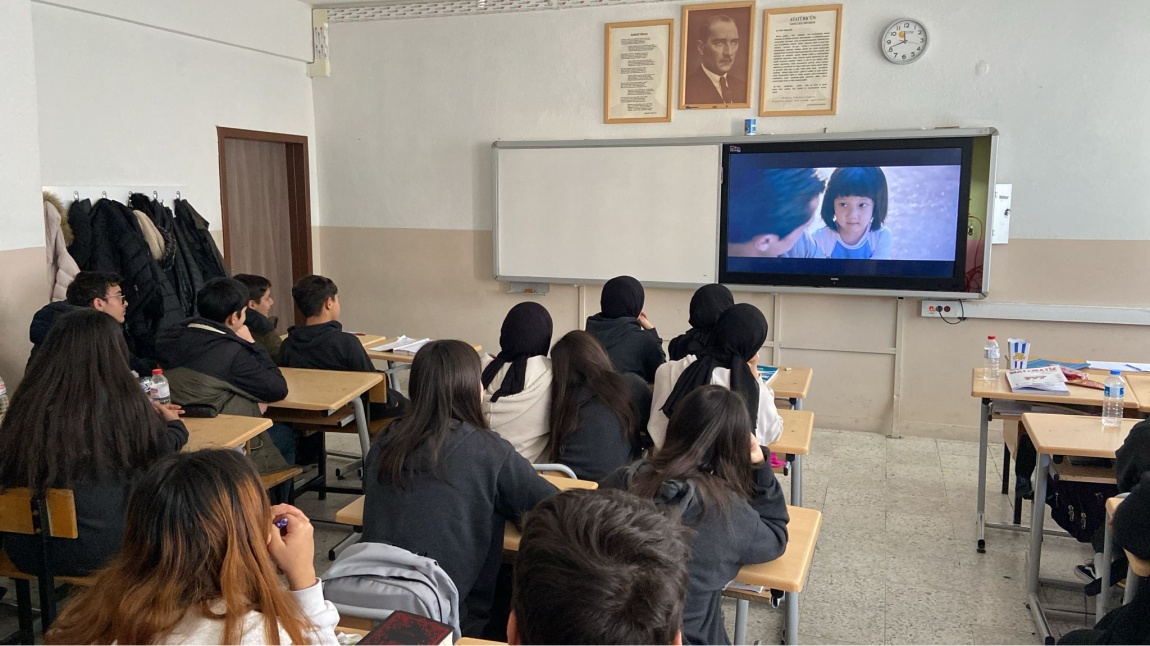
x: 79, y: 219
x: 178, y: 273
x: 163, y: 246
x: 62, y: 267
x: 203, y: 245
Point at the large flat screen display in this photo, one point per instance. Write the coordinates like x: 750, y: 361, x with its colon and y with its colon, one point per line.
x: 888, y: 214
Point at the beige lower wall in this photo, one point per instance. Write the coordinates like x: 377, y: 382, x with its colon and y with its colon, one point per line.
x: 23, y: 290
x: 438, y: 283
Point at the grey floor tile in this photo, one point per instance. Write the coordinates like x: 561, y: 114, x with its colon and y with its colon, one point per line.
x: 923, y: 633
x: 812, y: 638
x: 989, y: 635
x: 858, y: 621
x: 848, y: 495
x: 957, y: 447
x: 900, y: 523
x: 915, y: 444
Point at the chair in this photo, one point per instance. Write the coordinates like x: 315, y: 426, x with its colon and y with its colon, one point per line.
x: 554, y: 469
x: 51, y: 515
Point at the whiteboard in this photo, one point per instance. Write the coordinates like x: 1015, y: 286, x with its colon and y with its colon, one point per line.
x: 587, y: 214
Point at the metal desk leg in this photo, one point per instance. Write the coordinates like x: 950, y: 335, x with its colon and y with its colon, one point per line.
x: 980, y: 520
x: 1005, y: 469
x: 1037, y: 516
x: 742, y: 608
x: 791, y: 618
x: 1132, y: 582
x: 1103, y: 570
x: 796, y: 403
x: 797, y: 480
x: 351, y: 539
x: 361, y: 426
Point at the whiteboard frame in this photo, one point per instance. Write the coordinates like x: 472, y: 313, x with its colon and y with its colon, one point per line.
x: 499, y: 145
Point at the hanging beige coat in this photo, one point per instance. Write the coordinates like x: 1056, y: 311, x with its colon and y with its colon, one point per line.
x: 62, y: 269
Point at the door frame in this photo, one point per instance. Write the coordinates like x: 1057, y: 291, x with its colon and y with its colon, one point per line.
x: 299, y: 193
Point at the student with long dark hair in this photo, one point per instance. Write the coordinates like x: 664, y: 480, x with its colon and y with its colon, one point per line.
x: 712, y: 470
x: 707, y: 304
x: 517, y: 381
x: 622, y: 327
x: 80, y: 421
x: 595, y: 412
x: 440, y: 484
x: 199, y: 565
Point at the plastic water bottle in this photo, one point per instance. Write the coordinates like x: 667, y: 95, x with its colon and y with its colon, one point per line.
x: 990, y: 355
x: 160, y: 392
x: 1115, y: 390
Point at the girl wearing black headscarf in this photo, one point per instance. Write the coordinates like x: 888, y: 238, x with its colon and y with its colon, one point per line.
x: 728, y: 361
x: 517, y: 381
x: 622, y: 327
x: 707, y: 304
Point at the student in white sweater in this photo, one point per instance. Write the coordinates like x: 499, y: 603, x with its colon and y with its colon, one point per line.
x: 198, y: 565
x: 729, y: 361
x: 517, y: 381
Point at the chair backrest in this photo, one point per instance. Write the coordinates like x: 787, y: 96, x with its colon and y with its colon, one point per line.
x: 16, y: 512
x: 371, y: 580
x: 554, y: 470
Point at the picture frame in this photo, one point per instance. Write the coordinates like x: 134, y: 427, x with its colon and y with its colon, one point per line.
x: 637, y: 71
x: 800, y: 61
x: 715, y: 52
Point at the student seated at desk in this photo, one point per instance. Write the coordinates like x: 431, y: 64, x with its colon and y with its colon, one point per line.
x: 713, y: 471
x: 80, y: 421
x: 320, y: 343
x: 440, y: 484
x: 730, y: 362
x: 599, y: 567
x: 707, y: 304
x: 260, y: 323
x: 595, y: 412
x: 199, y: 565
x: 622, y: 327
x: 1128, y: 624
x: 517, y: 381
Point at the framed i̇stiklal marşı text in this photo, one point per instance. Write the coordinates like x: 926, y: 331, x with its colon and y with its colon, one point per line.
x: 637, y: 72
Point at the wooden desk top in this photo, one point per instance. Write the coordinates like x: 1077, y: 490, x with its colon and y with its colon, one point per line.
x: 1074, y: 434
x: 789, y: 572
x: 1079, y: 395
x: 396, y: 357
x: 1138, y: 390
x: 791, y: 381
x: 227, y: 431
x: 473, y: 641
x: 1112, y: 505
x: 796, y: 437
x: 324, y: 389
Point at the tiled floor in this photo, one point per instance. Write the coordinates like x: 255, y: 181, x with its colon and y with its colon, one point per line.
x: 896, y: 560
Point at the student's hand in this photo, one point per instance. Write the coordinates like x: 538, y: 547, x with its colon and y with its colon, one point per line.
x: 263, y: 408
x: 645, y: 322
x: 293, y: 550
x: 757, y: 456
x: 170, y: 412
x: 245, y: 334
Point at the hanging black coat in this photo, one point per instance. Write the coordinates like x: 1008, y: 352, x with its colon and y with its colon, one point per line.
x: 176, y: 302
x: 79, y: 218
x: 202, y: 246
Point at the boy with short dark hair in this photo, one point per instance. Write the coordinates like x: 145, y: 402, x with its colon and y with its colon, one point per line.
x: 260, y: 323
x: 599, y: 567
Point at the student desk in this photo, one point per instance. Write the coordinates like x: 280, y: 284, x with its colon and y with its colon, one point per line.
x: 1104, y: 567
x: 994, y: 392
x: 228, y: 431
x: 793, y: 384
x: 1138, y: 389
x: 1067, y: 435
x: 794, y: 443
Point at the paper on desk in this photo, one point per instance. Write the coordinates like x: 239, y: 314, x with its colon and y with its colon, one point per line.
x: 412, y: 348
x: 746, y: 587
x: 1118, y: 365
x: 402, y: 340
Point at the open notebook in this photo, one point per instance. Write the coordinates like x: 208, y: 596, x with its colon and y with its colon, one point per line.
x: 402, y: 345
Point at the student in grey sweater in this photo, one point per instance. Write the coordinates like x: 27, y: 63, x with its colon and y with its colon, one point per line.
x: 712, y: 470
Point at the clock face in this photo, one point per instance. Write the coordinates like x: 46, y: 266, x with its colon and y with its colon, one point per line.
x: 904, y: 41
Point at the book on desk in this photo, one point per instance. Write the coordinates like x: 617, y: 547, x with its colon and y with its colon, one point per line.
x: 1044, y: 379
x: 403, y: 345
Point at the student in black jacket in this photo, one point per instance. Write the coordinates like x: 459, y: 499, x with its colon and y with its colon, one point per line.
x: 622, y: 327
x: 707, y: 304
x: 714, y: 472
x: 596, y: 414
x: 80, y: 421
x: 260, y: 322
x: 440, y: 484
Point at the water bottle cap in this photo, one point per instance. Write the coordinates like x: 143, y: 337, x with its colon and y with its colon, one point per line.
x: 1116, y: 372
x: 991, y: 337
x: 157, y: 371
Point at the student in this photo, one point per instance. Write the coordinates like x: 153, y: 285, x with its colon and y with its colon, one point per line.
x: 622, y: 327
x: 440, y: 484
x: 1128, y: 624
x: 320, y: 343
x: 713, y: 471
x: 94, y: 289
x: 80, y: 421
x: 730, y: 362
x: 517, y: 381
x: 594, y: 410
x: 259, y: 320
x: 199, y: 565
x: 707, y: 303
x: 854, y: 209
x: 213, y: 360
x: 599, y: 567
x: 771, y: 218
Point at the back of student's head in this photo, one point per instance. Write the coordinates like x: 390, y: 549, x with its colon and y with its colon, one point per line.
x: 257, y: 285
x: 600, y: 567
x: 78, y: 412
x: 196, y: 531
x: 578, y: 362
x: 90, y: 285
x: 311, y: 292
x: 708, y: 441
x: 775, y: 201
x: 444, y: 387
x: 221, y: 298
x: 857, y: 181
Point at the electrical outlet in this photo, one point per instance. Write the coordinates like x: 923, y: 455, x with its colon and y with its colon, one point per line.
x: 939, y: 309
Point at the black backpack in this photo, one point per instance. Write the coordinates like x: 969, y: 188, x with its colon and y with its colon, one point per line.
x: 1078, y: 507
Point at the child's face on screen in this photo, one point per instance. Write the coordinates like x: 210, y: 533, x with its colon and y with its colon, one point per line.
x: 853, y: 215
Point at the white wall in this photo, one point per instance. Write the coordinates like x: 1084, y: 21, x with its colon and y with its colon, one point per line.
x: 412, y: 105
x: 21, y: 221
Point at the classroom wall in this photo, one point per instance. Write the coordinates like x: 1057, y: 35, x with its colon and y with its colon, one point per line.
x: 406, y: 120
x: 129, y: 92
